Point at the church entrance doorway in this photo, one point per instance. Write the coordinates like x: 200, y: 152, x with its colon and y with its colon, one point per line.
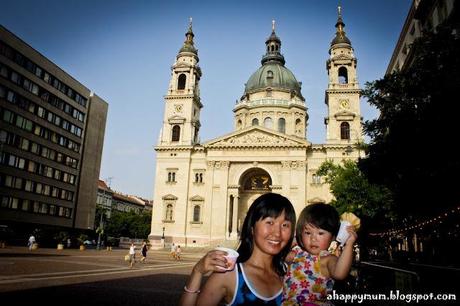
x: 253, y: 183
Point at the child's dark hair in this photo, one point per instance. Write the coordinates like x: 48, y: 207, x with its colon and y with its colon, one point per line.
x: 320, y: 215
x: 267, y: 205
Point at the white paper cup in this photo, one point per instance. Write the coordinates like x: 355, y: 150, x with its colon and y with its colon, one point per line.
x: 231, y: 256
x: 342, y: 235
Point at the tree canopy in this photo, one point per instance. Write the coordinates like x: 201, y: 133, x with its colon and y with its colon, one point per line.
x: 354, y: 193
x: 128, y: 224
x: 412, y: 141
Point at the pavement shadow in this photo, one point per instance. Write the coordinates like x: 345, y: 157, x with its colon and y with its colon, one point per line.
x: 151, y: 290
x: 29, y: 255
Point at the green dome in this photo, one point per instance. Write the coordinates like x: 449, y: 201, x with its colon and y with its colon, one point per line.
x: 274, y: 75
x: 340, y: 39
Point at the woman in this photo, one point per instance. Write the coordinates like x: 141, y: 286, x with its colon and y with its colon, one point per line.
x: 144, y: 250
x: 265, y: 241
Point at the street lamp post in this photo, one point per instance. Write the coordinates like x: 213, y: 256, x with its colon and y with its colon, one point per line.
x: 163, y: 237
x: 100, y: 229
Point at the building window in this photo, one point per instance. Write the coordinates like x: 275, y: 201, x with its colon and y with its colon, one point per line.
x: 199, y: 177
x: 344, y: 131
x: 298, y: 126
x: 316, y: 179
x: 181, y: 82
x: 255, y: 121
x: 343, y: 75
x: 282, y: 125
x: 196, y: 213
x: 171, y: 177
x: 268, y: 123
x: 239, y: 124
x: 175, y: 133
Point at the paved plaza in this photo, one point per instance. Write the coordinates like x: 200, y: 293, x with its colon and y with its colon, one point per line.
x: 91, y: 277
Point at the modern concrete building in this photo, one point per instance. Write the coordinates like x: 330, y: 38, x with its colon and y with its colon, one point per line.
x: 52, y: 133
x: 203, y: 190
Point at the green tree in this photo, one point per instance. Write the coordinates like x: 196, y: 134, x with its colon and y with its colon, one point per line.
x: 354, y: 193
x: 128, y: 224
x: 411, y: 149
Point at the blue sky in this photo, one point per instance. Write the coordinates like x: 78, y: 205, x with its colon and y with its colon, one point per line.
x: 123, y: 51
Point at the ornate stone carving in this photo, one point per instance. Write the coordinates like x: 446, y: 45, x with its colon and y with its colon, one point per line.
x: 224, y: 164
x: 255, y: 138
x: 295, y: 164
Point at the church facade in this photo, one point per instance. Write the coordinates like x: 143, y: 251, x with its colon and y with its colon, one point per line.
x: 203, y: 190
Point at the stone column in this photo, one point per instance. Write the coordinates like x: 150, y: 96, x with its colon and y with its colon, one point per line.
x: 234, y: 233
x: 227, y: 219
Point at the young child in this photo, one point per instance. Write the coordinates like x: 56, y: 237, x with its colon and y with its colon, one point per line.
x: 257, y: 278
x: 311, y: 269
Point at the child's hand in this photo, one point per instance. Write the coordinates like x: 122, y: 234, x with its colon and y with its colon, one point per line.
x: 353, y: 236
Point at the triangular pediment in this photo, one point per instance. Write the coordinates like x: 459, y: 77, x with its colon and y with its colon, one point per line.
x: 169, y: 197
x: 315, y: 200
x: 196, y: 198
x: 256, y: 136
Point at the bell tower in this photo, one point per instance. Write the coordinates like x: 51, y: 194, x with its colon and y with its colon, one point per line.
x: 343, y: 123
x: 181, y: 121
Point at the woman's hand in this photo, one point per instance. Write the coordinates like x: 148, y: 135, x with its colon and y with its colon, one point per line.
x: 213, y: 261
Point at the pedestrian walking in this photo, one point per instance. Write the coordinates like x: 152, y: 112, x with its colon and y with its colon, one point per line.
x: 178, y: 252
x: 31, y: 242
x: 132, y: 255
x: 144, y: 251
x: 173, y: 251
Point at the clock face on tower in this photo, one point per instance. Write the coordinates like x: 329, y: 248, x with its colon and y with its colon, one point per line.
x: 344, y: 104
x: 178, y: 108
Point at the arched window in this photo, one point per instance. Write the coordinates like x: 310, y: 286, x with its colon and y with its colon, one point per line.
x: 344, y: 130
x: 169, y: 212
x: 181, y: 81
x: 268, y: 123
x: 196, y: 213
x: 238, y: 125
x: 175, y: 133
x: 171, y: 177
x: 343, y: 75
x: 298, y: 124
x: 255, y: 121
x: 282, y: 125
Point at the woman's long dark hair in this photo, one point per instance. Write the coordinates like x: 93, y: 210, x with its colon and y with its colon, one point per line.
x: 267, y: 205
